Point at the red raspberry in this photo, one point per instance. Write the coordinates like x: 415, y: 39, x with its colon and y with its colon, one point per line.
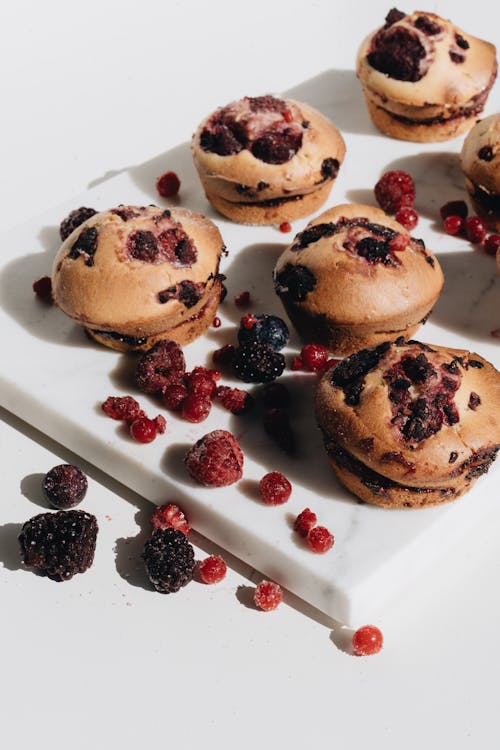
x: 168, y: 185
x: 395, y: 190
x: 201, y: 382
x: 224, y: 356
x: 196, y: 408
x: 242, y: 299
x: 454, y: 208
x: 296, y: 363
x: 235, y: 400
x: 475, y: 229
x: 161, y: 424
x: 212, y: 569
x: 491, y: 244
x: 267, y: 596
x: 285, y: 227
x: 173, y: 396
x: 367, y: 640
x: 170, y: 516
x: 143, y: 429
x: 454, y: 225
x: 288, y: 115
x: 319, y: 539
x: 398, y: 243
x: 248, y: 321
x: 216, y: 460
x: 276, y: 395
x: 216, y: 322
x: 305, y: 522
x: 408, y: 218
x: 313, y: 357
x: 43, y: 289
x: 122, y: 407
x: 274, y: 488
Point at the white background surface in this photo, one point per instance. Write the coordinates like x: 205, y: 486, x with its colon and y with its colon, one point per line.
x: 87, y: 91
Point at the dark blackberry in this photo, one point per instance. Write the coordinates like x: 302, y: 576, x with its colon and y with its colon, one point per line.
x: 85, y: 245
x: 257, y: 363
x: 65, y: 486
x: 268, y: 329
x: 60, y: 544
x: 74, y: 219
x: 169, y: 560
x: 295, y: 282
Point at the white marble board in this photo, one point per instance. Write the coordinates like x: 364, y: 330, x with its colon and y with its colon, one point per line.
x: 55, y: 379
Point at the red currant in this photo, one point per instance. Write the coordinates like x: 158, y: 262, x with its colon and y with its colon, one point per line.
x: 267, y: 595
x: 248, y: 321
x: 212, y: 569
x: 313, y: 357
x: 454, y: 225
x: 196, y: 408
x: 143, y: 429
x: 285, y: 227
x: 367, y: 640
x: 168, y: 185
x: 274, y: 488
x: 407, y: 217
x: 491, y: 244
x: 216, y: 322
x: 475, y: 229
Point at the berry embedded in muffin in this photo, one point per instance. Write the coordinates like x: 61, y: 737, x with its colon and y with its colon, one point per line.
x: 480, y: 160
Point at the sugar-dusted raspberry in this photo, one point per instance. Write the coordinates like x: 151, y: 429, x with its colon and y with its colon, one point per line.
x: 305, y: 522
x: 161, y: 366
x: 202, y: 382
x: 235, y: 400
x: 395, y: 190
x: 224, y: 356
x: 168, y: 184
x: 475, y: 229
x: 170, y: 516
x: 407, y: 217
x: 454, y: 225
x: 216, y: 460
x: 174, y: 395
x: 123, y: 408
x: 278, y: 427
x: 491, y: 244
x: 367, y: 640
x: 319, y: 539
x: 143, y: 430
x: 65, y: 486
x: 454, y: 208
x: 169, y: 560
x: 242, y: 299
x: 274, y: 488
x: 313, y: 357
x: 74, y: 219
x: 43, y: 289
x: 257, y: 363
x: 267, y: 596
x: 276, y: 395
x: 196, y: 408
x: 212, y: 569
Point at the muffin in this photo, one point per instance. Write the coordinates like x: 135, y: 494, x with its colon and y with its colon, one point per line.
x: 355, y: 278
x: 423, y: 78
x: 481, y: 166
x: 410, y: 425
x: 264, y: 160
x: 132, y: 276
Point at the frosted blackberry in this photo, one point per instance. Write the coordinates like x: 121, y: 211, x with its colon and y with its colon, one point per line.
x: 65, y: 486
x: 257, y: 363
x: 169, y: 560
x: 267, y: 329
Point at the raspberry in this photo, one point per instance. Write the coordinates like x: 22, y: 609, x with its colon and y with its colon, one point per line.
x: 212, y: 569
x: 170, y: 516
x: 216, y: 460
x: 143, y: 430
x: 201, y: 382
x: 161, y: 366
x: 491, y: 244
x: 277, y: 425
x: 173, y: 396
x: 169, y: 560
x: 43, y: 289
x: 257, y: 363
x: 313, y: 357
x: 196, y: 408
x: 168, y: 185
x: 274, y: 488
x: 367, y: 640
x: 248, y: 321
x: 399, y: 242
x: 276, y: 395
x: 267, y: 596
x: 265, y: 329
x: 454, y: 208
x: 59, y: 545
x: 475, y: 229
x: 235, y: 400
x: 454, y: 225
x: 74, y: 219
x: 305, y: 522
x: 160, y: 424
x: 285, y: 227
x: 216, y: 322
x: 319, y: 539
x: 125, y: 408
x: 408, y: 218
x: 395, y: 190
x: 65, y: 486
x: 242, y: 299
x: 224, y: 355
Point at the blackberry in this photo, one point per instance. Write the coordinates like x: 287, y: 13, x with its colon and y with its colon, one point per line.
x: 65, y: 486
x: 268, y: 329
x: 60, y: 544
x: 169, y: 560
x: 74, y: 219
x: 257, y: 363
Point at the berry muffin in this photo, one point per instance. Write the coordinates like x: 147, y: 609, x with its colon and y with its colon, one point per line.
x: 264, y: 160
x: 481, y: 166
x: 355, y: 278
x: 409, y: 425
x: 135, y: 275
x: 423, y: 78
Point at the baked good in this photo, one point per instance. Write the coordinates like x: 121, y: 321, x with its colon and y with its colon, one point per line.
x: 480, y: 160
x: 134, y: 275
x: 407, y: 424
x: 423, y: 78
x: 264, y: 160
x: 354, y: 278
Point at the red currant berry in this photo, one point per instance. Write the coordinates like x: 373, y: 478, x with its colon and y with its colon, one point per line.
x: 267, y: 595
x: 491, y: 244
x: 408, y: 218
x: 212, y: 569
x: 201, y: 382
x: 274, y: 488
x: 248, y: 321
x: 143, y: 429
x: 196, y: 408
x: 305, y: 522
x: 314, y: 357
x: 319, y: 539
x: 454, y: 225
x: 454, y: 208
x: 216, y: 322
x: 367, y: 640
x: 285, y: 227
x: 43, y: 289
x: 296, y: 363
x: 475, y: 229
x: 173, y: 396
x: 242, y: 299
x: 168, y: 185
x: 170, y: 516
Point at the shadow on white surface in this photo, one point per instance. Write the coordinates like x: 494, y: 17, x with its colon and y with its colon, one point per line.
x: 10, y: 555
x: 31, y: 488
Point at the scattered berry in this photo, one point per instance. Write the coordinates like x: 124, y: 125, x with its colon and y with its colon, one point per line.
x: 202, y: 382
x: 124, y: 408
x: 285, y: 227
x: 248, y: 321
x: 475, y: 229
x: 277, y: 425
x: 305, y: 522
x: 257, y: 363
x: 161, y: 366
x: 242, y: 299
x: 395, y: 190
x: 367, y: 640
x: 170, y: 516
x: 168, y: 185
x: 196, y: 408
x: 143, y: 430
x: 65, y: 486
x: 264, y: 329
x: 454, y: 225
x: 174, y: 395
x: 408, y: 218
x: 235, y: 400
x: 160, y: 423
x: 74, y: 219
x: 224, y: 355
x: 216, y: 322
x: 169, y: 560
x: 212, y: 569
x: 216, y: 460
x: 296, y: 363
x: 43, y: 289
x: 454, y: 208
x: 274, y: 488
x: 276, y: 395
x: 313, y: 357
x: 491, y: 244
x: 267, y: 596
x: 319, y: 539
x: 59, y: 545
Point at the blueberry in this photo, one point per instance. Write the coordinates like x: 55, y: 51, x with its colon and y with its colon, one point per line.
x: 269, y: 329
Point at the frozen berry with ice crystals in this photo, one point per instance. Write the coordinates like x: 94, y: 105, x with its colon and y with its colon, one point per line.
x: 216, y: 460
x: 74, y: 219
x: 173, y: 396
x: 266, y: 329
x: 170, y: 516
x: 274, y: 488
x: 408, y: 218
x: 267, y: 596
x: 395, y: 190
x: 367, y: 640
x: 124, y: 408
x: 212, y: 569
x: 305, y: 522
x: 319, y: 539
x: 195, y: 408
x: 169, y: 560
x: 65, y: 486
x: 257, y: 363
x: 234, y: 399
x: 202, y: 382
x: 159, y: 367
x: 168, y: 185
